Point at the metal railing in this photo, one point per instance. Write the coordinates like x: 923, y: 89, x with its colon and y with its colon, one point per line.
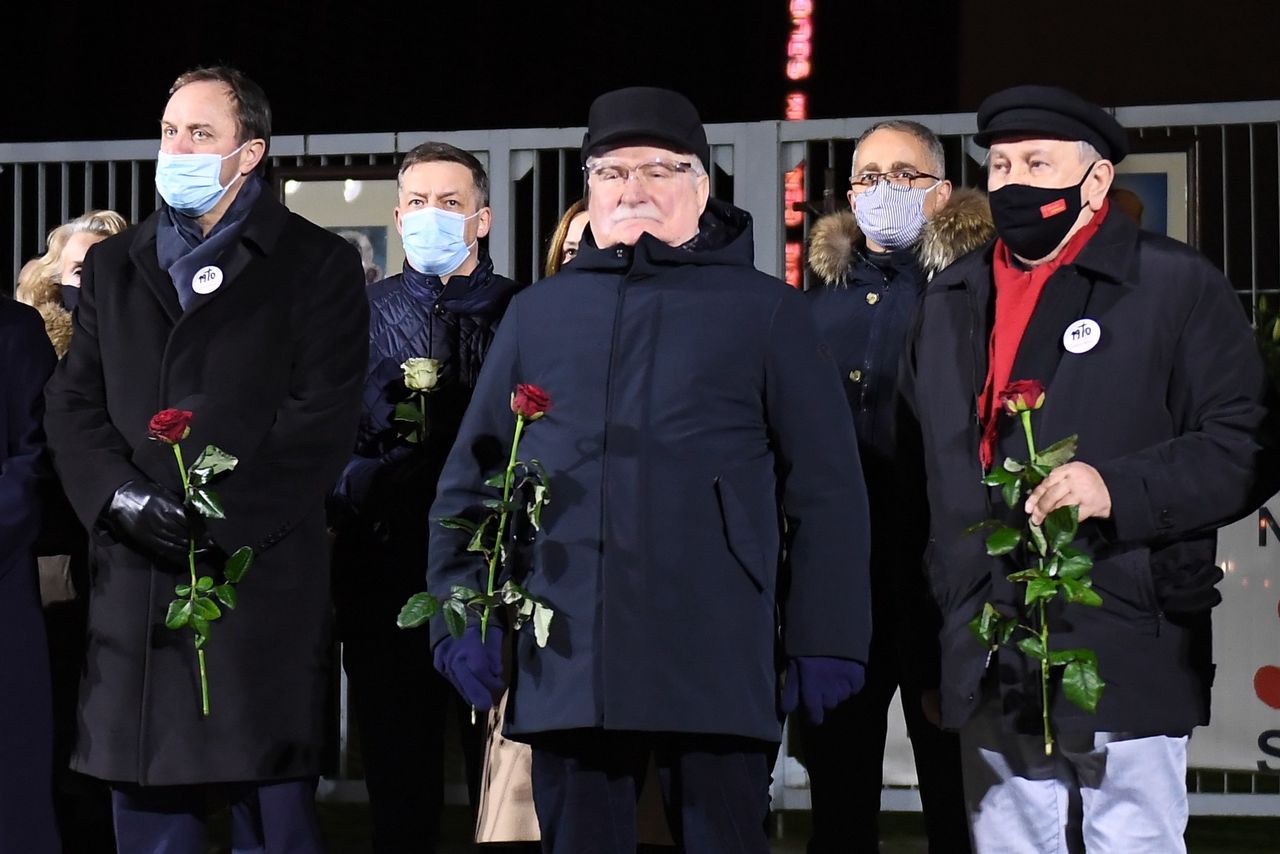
x: 1232, y: 153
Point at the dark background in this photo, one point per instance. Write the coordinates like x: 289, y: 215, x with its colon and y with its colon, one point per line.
x: 101, y: 71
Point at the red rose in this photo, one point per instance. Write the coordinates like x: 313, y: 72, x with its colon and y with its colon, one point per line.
x: 530, y: 401
x: 1022, y: 396
x: 170, y: 426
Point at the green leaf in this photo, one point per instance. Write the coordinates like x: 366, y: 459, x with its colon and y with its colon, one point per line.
x: 478, y: 543
x: 1058, y: 453
x: 1038, y: 543
x: 541, y: 498
x: 204, y: 584
x: 182, y: 590
x: 206, y: 503
x: 420, y: 608
x: 407, y: 413
x: 1012, y: 465
x: 466, y: 594
x: 1060, y: 526
x: 1036, y: 473
x: 226, y: 594
x: 498, y: 480
x: 1082, y: 684
x: 212, y: 461
x: 1003, y: 541
x: 1073, y: 563
x: 1041, y: 588
x: 981, y: 526
x: 179, y: 614
x: 201, y: 640
x: 1006, y: 629
x: 238, y: 564
x: 999, y: 477
x: 1032, y: 647
x: 512, y: 593
x: 455, y: 617
x: 206, y: 608
x: 201, y: 627
x: 983, y: 625
x: 1066, y: 656
x: 1079, y: 593
x: 1024, y: 575
x: 1010, y: 492
x: 542, y: 623
x: 457, y: 523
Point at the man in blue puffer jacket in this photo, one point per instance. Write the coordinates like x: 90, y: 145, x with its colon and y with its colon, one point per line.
x: 445, y: 305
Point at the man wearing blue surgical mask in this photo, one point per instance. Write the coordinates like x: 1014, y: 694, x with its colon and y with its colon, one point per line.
x: 444, y: 305
x: 905, y: 225
x: 224, y: 304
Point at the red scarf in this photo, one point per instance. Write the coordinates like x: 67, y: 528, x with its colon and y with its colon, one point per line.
x: 1017, y: 292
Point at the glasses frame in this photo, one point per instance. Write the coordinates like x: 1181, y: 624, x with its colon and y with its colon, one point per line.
x: 883, y: 178
x: 680, y: 167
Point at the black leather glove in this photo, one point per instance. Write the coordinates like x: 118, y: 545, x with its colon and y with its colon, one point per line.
x: 150, y: 518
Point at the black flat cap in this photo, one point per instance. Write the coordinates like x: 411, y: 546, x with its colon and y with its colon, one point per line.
x: 1051, y: 113
x: 645, y: 114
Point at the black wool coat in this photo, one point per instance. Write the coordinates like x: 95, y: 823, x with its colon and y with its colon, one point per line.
x: 693, y: 410
x: 26, y: 719
x: 271, y: 364
x: 1172, y: 407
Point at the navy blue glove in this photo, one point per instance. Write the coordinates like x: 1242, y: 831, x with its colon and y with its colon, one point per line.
x: 473, y: 666
x: 820, y: 683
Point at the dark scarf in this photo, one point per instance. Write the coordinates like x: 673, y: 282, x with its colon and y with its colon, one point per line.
x: 182, y: 248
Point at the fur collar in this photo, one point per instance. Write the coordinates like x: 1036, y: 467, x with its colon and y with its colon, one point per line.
x: 959, y: 228
x: 46, y: 298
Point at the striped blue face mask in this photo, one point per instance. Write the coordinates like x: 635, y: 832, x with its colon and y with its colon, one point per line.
x: 891, y: 216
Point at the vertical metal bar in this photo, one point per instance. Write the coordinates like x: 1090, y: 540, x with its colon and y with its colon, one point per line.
x: 964, y: 160
x: 42, y: 213
x: 17, y: 222
x: 135, y: 180
x: 501, y: 232
x: 64, y: 176
x: 536, y: 225
x: 344, y: 725
x: 563, y: 172
x: 1226, y: 216
x: 88, y: 188
x: 111, y: 186
x: 1253, y: 233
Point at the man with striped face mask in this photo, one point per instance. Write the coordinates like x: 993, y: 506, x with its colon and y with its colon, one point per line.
x: 874, y: 261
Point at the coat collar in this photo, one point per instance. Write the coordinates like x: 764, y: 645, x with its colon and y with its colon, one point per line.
x: 962, y: 225
x: 262, y: 229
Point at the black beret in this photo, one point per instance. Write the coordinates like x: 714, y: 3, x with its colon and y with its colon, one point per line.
x: 645, y: 113
x: 1051, y: 113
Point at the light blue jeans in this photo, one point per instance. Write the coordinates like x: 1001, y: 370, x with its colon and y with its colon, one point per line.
x: 1101, y: 793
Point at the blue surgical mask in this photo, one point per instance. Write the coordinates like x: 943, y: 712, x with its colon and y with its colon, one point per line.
x: 433, y: 240
x: 891, y: 217
x: 191, y: 183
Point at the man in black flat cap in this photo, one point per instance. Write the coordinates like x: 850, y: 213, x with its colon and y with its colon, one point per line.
x: 1145, y: 354
x: 694, y: 419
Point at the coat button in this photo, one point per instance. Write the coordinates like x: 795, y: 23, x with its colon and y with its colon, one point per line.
x: 872, y: 298
x: 856, y: 376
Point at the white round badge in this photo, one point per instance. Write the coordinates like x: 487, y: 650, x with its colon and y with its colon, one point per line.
x: 206, y: 280
x: 1082, y: 336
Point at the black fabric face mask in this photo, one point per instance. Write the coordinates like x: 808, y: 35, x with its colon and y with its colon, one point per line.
x: 70, y: 296
x: 1032, y: 221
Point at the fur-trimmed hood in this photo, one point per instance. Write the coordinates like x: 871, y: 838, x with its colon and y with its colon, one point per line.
x: 961, y: 226
x: 46, y: 298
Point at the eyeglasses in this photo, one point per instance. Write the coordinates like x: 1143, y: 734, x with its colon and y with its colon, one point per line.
x: 899, y: 179
x: 612, y: 173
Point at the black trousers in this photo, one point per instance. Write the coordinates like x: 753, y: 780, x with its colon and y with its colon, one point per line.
x: 276, y: 817
x: 845, y: 755
x: 715, y: 789
x: 401, y: 703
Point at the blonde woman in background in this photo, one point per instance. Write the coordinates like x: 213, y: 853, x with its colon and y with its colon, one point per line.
x: 51, y: 284
x: 565, y: 239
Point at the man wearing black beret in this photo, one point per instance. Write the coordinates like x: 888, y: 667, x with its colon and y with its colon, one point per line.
x: 695, y: 419
x: 1144, y: 353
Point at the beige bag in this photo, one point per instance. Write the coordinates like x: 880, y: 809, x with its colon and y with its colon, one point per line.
x: 506, y: 811
x: 56, y: 584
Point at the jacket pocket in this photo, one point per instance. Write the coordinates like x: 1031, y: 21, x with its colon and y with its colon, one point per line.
x: 747, y: 538
x: 1125, y: 583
